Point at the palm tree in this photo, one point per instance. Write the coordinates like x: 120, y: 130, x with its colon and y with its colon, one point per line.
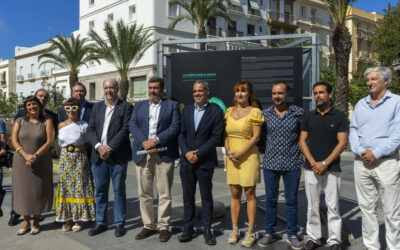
x: 72, y: 53
x: 341, y: 42
x: 199, y: 12
x: 123, y: 47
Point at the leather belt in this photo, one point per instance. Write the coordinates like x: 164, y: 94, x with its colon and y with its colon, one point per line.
x: 75, y: 148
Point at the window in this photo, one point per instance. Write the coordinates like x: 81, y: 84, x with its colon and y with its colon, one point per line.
x: 92, y: 91
x: 313, y: 16
x: 32, y: 65
x: 173, y: 10
x: 358, y: 29
x: 91, y: 25
x: 91, y: 2
x: 368, y: 50
x: 110, y: 17
x: 367, y: 29
x: 3, y: 76
x: 330, y: 44
x: 132, y: 12
x: 138, y: 87
x: 250, y: 30
x: 359, y: 49
x: 302, y: 11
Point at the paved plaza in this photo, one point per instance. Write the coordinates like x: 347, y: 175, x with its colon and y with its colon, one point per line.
x: 52, y: 237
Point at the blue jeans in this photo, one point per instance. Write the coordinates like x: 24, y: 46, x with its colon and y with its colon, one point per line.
x: 291, y: 181
x: 102, y: 171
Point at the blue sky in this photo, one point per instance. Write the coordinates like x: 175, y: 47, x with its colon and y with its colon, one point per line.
x: 31, y: 22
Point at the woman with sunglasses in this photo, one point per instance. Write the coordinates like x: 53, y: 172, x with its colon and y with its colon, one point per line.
x: 75, y: 193
x: 32, y: 178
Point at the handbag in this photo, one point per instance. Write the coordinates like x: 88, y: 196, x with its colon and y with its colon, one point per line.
x: 6, y: 160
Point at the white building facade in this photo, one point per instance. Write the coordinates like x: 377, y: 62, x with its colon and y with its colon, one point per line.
x: 30, y: 77
x: 7, y: 76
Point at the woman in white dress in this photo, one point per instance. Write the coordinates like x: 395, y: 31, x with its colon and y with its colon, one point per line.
x: 75, y: 193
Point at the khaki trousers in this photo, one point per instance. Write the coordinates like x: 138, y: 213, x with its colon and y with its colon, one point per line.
x: 381, y: 179
x: 151, y: 168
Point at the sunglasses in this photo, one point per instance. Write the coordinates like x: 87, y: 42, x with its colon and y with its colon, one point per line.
x: 71, y: 108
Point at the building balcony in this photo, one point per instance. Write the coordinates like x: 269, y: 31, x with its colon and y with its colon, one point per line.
x: 234, y: 7
x: 283, y: 20
x: 3, y: 83
x: 20, y: 78
x: 363, y: 34
x: 31, y: 75
x: 214, y: 31
x: 252, y: 13
x: 234, y: 33
x: 44, y: 73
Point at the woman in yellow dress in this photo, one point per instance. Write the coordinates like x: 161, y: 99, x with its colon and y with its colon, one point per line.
x: 243, y: 129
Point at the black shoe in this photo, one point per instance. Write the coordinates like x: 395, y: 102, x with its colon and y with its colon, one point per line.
x: 97, y: 229
x: 209, y: 237
x: 187, y: 235
x: 2, y: 194
x: 13, y: 218
x: 310, y: 245
x: 335, y: 247
x: 120, y: 231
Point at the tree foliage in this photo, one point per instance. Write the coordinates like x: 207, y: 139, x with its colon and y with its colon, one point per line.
x: 387, y: 36
x: 123, y: 47
x: 328, y: 75
x: 8, y: 104
x: 199, y: 12
x: 72, y: 53
x: 341, y: 43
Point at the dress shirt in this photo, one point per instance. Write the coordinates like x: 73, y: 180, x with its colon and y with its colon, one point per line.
x: 107, y: 119
x: 198, y: 114
x: 154, y: 113
x: 376, y: 128
x: 282, y: 152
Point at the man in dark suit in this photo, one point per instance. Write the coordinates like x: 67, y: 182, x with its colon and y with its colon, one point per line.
x: 202, y: 126
x: 108, y: 132
x: 155, y: 124
x: 79, y: 93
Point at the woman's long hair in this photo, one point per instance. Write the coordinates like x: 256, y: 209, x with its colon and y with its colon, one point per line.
x: 32, y: 98
x: 245, y: 84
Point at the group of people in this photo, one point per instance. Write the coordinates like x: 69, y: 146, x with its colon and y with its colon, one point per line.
x: 95, y: 150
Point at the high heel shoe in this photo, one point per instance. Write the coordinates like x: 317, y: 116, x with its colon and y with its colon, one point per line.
x: 234, y: 236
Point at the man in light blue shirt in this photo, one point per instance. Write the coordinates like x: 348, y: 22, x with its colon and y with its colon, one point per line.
x: 375, y: 139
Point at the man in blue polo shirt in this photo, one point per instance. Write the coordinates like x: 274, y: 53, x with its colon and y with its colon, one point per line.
x: 282, y: 158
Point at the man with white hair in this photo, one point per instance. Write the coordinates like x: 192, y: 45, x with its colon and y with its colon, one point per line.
x: 375, y: 139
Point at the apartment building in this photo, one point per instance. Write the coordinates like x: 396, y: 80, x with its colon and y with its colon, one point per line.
x: 30, y: 76
x: 7, y: 76
x: 362, y: 25
x: 248, y: 18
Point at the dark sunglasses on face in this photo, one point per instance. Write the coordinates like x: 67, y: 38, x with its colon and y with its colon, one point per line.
x: 71, y: 108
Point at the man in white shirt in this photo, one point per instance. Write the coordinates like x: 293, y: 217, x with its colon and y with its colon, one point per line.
x: 154, y: 125
x: 108, y: 132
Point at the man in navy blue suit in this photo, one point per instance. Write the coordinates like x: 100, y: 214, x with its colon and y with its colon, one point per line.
x: 79, y: 93
x: 155, y: 124
x: 202, y: 126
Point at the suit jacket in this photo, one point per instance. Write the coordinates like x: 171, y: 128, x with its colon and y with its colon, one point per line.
x: 205, y: 138
x: 117, y: 134
x: 62, y: 116
x: 167, y: 129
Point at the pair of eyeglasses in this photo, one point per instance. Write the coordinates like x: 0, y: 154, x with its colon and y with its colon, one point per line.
x: 71, y: 108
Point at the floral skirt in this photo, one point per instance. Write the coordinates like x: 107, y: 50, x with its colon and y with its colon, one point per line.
x: 75, y: 192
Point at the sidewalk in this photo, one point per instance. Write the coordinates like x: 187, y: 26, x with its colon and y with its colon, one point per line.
x: 52, y: 237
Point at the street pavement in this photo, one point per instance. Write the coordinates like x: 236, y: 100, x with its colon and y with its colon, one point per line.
x: 51, y: 236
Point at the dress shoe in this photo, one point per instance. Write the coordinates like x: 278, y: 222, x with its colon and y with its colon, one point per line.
x: 145, y: 233
x: 13, y: 218
x: 2, y: 194
x: 187, y: 235
x: 209, y: 237
x: 97, y: 229
x: 120, y: 231
x: 164, y: 235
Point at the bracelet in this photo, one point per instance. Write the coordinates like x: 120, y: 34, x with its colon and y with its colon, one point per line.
x: 325, y: 165
x: 227, y: 151
x: 36, y: 155
x: 18, y: 149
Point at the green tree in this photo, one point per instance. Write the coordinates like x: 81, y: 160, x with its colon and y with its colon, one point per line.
x: 71, y: 53
x: 199, y: 12
x: 341, y: 42
x: 387, y: 36
x: 7, y: 104
x: 123, y: 47
x: 328, y: 75
x: 56, y: 99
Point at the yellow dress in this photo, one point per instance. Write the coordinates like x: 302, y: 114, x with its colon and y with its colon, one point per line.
x: 246, y: 172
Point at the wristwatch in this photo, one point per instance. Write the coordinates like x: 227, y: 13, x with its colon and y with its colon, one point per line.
x: 36, y: 155
x: 156, y: 141
x: 325, y: 165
